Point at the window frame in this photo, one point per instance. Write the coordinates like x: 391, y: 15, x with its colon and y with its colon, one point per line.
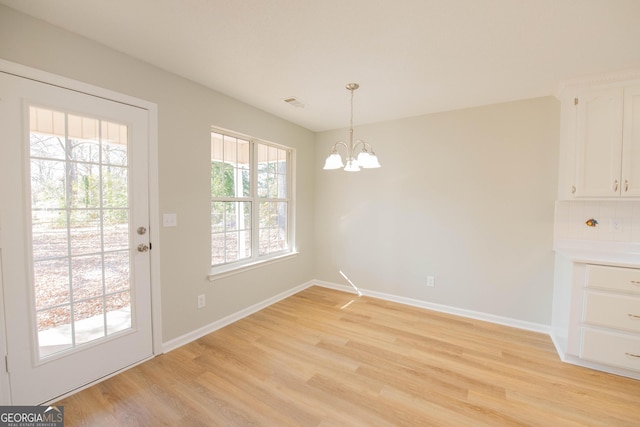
x: 255, y: 259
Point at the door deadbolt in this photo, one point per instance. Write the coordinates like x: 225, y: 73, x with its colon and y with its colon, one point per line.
x: 142, y: 230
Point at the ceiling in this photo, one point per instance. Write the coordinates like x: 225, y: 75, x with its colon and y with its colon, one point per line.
x: 410, y: 57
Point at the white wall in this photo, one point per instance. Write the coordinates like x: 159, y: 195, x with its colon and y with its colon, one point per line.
x: 466, y: 196
x: 186, y: 112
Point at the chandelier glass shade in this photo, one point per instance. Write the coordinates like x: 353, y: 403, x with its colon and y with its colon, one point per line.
x: 359, y: 154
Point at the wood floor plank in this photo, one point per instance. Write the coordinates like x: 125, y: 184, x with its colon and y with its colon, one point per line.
x: 328, y: 358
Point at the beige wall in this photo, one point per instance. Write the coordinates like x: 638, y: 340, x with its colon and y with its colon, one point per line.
x: 186, y: 112
x: 476, y: 212
x: 466, y: 196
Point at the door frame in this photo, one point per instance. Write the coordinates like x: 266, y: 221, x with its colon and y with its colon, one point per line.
x: 154, y: 211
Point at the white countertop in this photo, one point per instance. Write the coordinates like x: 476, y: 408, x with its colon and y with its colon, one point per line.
x: 626, y: 254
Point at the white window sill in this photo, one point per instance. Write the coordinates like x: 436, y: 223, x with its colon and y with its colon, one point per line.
x: 226, y: 271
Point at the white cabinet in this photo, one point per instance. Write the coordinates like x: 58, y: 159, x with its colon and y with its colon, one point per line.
x: 598, y: 143
x: 630, y: 183
x: 610, y: 329
x: 600, y: 151
x: 610, y: 348
x: 606, y: 329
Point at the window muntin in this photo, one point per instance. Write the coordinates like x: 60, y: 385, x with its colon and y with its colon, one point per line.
x: 250, y: 200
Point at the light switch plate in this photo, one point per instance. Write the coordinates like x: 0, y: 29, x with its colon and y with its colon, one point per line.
x: 170, y: 220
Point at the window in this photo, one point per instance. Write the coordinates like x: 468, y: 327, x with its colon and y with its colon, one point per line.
x: 251, y: 201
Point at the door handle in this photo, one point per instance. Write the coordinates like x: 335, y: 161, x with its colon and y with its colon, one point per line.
x: 142, y: 247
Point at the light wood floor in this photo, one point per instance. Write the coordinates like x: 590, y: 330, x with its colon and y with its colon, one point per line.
x: 328, y: 358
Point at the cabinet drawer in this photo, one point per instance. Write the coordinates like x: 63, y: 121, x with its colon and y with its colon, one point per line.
x: 614, y: 278
x: 611, y: 349
x: 614, y: 311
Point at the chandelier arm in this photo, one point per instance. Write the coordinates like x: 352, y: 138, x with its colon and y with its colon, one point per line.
x: 367, y: 147
x: 334, y: 147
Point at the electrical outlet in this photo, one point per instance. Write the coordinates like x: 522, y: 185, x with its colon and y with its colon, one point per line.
x: 201, y: 301
x: 431, y: 281
x: 616, y: 225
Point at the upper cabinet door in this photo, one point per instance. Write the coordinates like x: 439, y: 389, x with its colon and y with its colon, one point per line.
x: 630, y: 178
x: 599, y: 143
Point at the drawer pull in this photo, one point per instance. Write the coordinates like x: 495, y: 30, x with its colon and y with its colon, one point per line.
x: 635, y: 282
x: 635, y: 316
x: 633, y: 355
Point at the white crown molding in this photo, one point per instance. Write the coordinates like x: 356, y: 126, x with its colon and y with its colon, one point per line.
x: 615, y: 78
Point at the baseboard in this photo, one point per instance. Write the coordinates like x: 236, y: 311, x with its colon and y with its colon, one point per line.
x: 559, y: 342
x: 221, y: 323
x: 574, y: 360
x: 500, y: 320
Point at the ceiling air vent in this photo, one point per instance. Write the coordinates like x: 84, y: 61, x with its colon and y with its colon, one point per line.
x: 294, y: 102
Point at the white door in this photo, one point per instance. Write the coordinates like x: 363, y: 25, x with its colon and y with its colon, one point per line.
x: 74, y: 241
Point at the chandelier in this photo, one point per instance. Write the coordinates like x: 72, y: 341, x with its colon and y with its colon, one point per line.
x: 365, y: 158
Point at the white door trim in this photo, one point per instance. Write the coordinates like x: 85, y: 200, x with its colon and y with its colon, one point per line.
x: 154, y: 212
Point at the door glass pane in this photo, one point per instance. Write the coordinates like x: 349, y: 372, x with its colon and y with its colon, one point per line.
x: 86, y: 276
x: 84, y: 231
x: 51, y: 283
x: 115, y: 229
x: 48, y: 181
x: 118, y: 307
x: 84, y: 187
x: 49, y: 233
x: 80, y: 228
x: 82, y: 142
x: 54, y: 330
x: 48, y: 139
x: 88, y: 319
x: 114, y: 186
x: 114, y: 144
x: 116, y: 271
